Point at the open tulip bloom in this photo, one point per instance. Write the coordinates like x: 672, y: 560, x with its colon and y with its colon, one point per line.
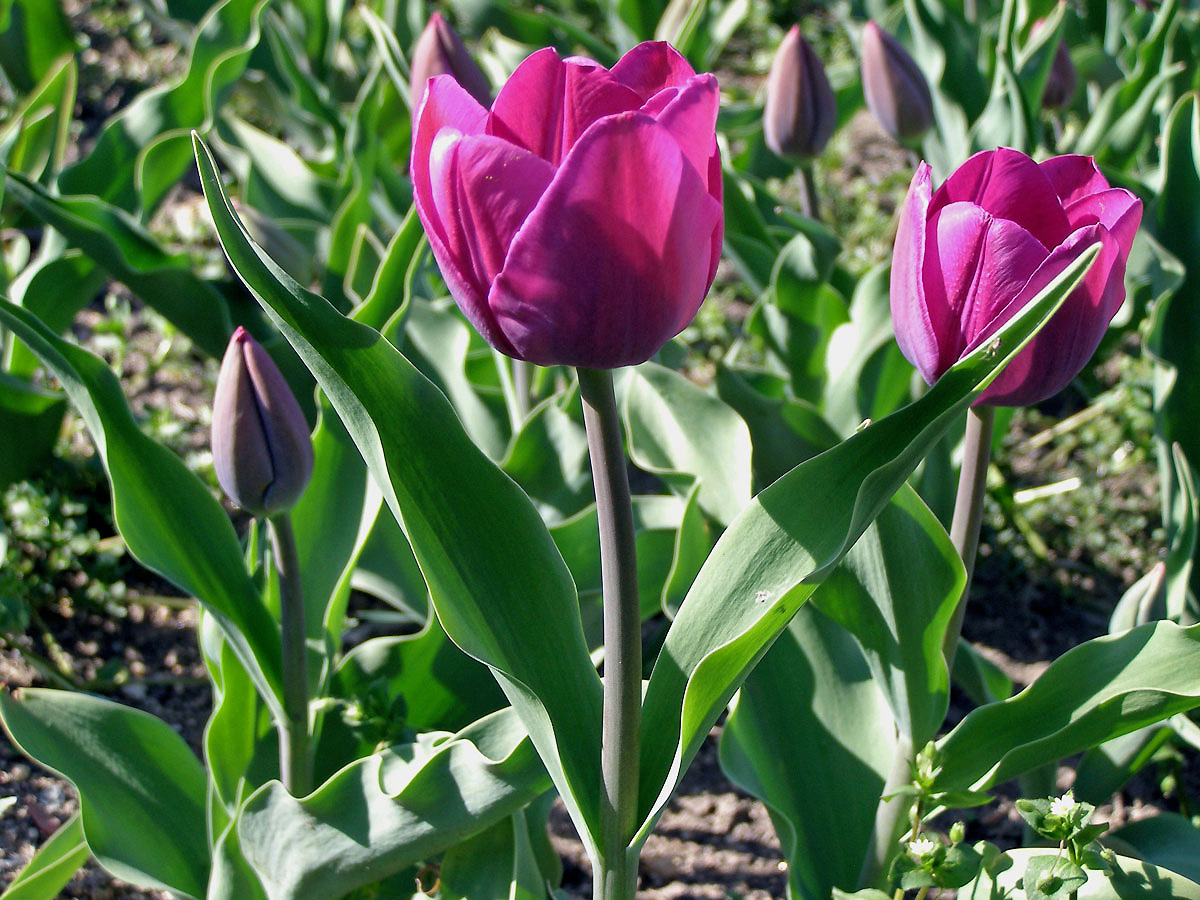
x: 579, y: 221
x: 972, y: 253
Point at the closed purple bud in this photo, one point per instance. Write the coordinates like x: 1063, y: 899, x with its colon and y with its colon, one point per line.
x: 440, y: 51
x: 1060, y: 84
x: 800, y: 110
x: 971, y: 254
x: 896, y: 90
x: 262, y: 450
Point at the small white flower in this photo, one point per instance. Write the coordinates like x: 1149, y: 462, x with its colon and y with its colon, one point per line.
x: 1063, y: 806
x: 923, y: 847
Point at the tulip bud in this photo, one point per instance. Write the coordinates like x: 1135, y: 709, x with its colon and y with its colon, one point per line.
x: 262, y: 451
x: 1060, y: 84
x: 440, y: 51
x: 800, y: 110
x: 895, y: 88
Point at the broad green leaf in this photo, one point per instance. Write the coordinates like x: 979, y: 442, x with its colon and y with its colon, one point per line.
x: 387, y: 569
x: 436, y: 340
x: 54, y: 864
x: 684, y: 434
x: 231, y: 877
x: 389, y: 810
x: 810, y: 735
x: 1167, y: 840
x: 1094, y: 692
x: 443, y: 688
x: 895, y: 592
x: 37, y: 132
x: 785, y: 541
x: 137, y: 156
x: 30, y: 420
x: 1131, y: 879
x: 280, y: 183
x: 141, y: 790
x: 548, y: 457
x: 169, y: 520
x: 693, y: 542
x: 466, y: 520
x: 115, y: 241
x: 496, y: 864
x: 1106, y: 769
x: 34, y: 36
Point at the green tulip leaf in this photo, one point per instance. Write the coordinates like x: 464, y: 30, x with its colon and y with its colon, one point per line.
x: 167, y: 517
x: 466, y: 521
x: 1093, y: 693
x: 684, y: 434
x: 496, y: 864
x: 808, y: 733
x: 34, y: 36
x: 141, y: 789
x: 786, y: 541
x: 143, y: 150
x: 389, y: 810
x: 53, y: 865
x: 1167, y: 840
x: 115, y: 241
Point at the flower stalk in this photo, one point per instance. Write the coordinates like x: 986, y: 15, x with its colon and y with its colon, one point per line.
x: 615, y: 877
x: 295, y: 760
x: 968, y: 512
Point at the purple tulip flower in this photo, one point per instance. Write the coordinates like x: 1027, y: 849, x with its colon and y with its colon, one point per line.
x: 971, y: 254
x: 262, y: 450
x: 800, y: 110
x: 440, y: 51
x: 579, y: 221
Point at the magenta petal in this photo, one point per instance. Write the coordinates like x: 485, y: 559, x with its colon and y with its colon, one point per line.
x: 483, y: 189
x: 613, y: 262
x: 1063, y: 347
x: 975, y: 264
x: 446, y: 104
x: 691, y: 118
x: 1073, y: 177
x: 1116, y: 209
x: 914, y: 331
x: 650, y: 67
x: 1009, y: 185
x: 549, y: 102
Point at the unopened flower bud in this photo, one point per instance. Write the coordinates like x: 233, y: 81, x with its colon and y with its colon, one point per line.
x: 1060, y: 84
x: 895, y: 88
x: 800, y: 111
x: 958, y: 832
x: 262, y: 450
x: 440, y: 51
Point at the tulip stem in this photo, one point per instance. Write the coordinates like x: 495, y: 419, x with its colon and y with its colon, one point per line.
x: 521, y: 383
x: 810, y: 204
x: 891, y: 815
x: 968, y: 511
x: 295, y: 763
x: 615, y: 877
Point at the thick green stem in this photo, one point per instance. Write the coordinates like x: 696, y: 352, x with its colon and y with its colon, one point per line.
x: 295, y: 762
x: 968, y: 511
x: 521, y: 372
x: 809, y: 201
x: 616, y: 875
x: 891, y: 816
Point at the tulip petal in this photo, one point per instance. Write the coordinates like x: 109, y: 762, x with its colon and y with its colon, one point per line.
x: 915, y: 331
x: 1065, y: 344
x: 549, y: 102
x: 613, y: 261
x: 1116, y: 209
x: 974, y: 265
x: 483, y: 189
x: 1073, y: 177
x: 651, y: 67
x: 446, y: 105
x: 691, y: 118
x: 1009, y: 185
